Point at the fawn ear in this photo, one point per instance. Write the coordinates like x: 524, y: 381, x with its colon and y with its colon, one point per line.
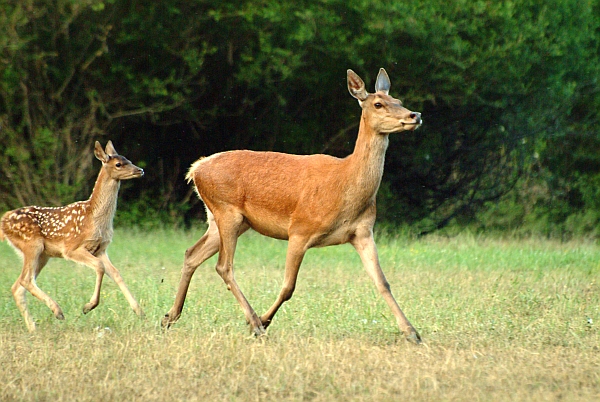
x: 110, y: 149
x: 356, y: 87
x: 100, y: 154
x: 383, y: 82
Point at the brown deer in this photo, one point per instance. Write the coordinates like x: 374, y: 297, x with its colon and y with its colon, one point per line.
x: 309, y: 200
x: 79, y: 232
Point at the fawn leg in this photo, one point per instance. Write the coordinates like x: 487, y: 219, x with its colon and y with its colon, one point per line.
x: 95, y: 300
x: 83, y: 256
x: 19, y: 293
x: 115, y: 275
x: 33, y: 261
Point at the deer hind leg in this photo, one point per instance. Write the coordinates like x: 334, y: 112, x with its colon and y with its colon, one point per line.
x: 202, y: 250
x: 33, y: 262
x: 231, y: 225
x: 295, y: 254
x: 366, y: 248
x: 114, y: 274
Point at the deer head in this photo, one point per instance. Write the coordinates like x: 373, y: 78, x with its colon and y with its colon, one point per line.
x: 386, y: 114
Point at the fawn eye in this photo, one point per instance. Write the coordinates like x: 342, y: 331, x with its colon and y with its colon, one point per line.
x: 118, y: 164
x: 378, y: 105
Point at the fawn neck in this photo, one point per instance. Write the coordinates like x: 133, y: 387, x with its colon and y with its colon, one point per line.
x: 103, y: 201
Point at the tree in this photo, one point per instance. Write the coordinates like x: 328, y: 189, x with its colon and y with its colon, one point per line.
x: 499, y: 85
x: 70, y: 72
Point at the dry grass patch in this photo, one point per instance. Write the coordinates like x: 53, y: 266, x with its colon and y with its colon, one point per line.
x: 501, y: 320
x: 103, y: 365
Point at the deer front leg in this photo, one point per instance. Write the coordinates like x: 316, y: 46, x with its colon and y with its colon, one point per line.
x: 366, y: 248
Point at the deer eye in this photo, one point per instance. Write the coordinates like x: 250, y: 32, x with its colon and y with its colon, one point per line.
x: 378, y: 105
x: 118, y: 164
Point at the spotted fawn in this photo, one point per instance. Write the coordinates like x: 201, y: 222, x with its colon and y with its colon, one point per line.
x: 79, y: 232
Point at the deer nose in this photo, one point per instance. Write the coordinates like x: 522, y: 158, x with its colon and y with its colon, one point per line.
x: 416, y: 116
x: 141, y: 171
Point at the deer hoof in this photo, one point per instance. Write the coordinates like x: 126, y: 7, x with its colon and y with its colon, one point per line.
x: 166, y: 321
x: 60, y: 316
x: 414, y: 337
x: 259, y: 331
x: 265, y: 322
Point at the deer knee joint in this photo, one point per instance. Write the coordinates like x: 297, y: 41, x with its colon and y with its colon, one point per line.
x: 188, y: 253
x: 224, y: 271
x: 287, y: 293
x: 384, y: 287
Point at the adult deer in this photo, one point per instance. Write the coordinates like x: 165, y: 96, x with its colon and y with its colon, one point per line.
x: 79, y: 232
x: 309, y: 200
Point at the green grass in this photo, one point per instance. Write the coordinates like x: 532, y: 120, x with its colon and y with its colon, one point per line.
x: 500, y: 319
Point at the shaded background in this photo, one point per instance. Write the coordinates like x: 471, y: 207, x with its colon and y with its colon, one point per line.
x: 508, y: 92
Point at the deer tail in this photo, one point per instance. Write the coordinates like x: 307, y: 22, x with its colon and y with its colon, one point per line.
x: 189, y: 177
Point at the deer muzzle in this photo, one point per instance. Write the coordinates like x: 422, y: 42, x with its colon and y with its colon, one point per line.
x: 413, y: 122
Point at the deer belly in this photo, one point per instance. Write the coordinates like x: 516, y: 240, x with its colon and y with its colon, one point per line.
x: 269, y: 224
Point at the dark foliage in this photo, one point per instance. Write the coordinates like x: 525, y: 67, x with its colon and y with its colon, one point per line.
x: 508, y: 93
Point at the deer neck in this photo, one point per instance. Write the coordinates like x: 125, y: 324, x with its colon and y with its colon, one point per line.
x: 103, y: 200
x: 368, y: 159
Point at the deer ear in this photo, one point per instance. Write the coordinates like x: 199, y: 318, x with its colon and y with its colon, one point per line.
x: 356, y: 87
x: 100, y: 154
x: 383, y: 82
x: 110, y: 149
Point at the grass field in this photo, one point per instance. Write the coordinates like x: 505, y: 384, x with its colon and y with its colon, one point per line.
x: 500, y: 319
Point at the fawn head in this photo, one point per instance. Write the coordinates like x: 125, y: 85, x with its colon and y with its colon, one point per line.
x: 386, y: 114
x: 117, y: 166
